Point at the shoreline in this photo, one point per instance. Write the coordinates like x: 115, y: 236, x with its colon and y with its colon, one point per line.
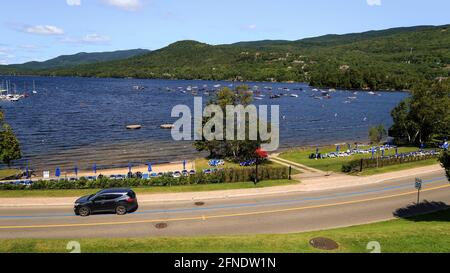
x: 213, y: 81
x: 164, y: 166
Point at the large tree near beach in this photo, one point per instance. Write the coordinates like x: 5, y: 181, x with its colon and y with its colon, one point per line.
x: 9, y: 144
x: 445, y: 162
x: 234, y: 150
x: 423, y: 116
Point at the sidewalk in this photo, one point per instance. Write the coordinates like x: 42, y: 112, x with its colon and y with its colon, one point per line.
x: 337, y: 181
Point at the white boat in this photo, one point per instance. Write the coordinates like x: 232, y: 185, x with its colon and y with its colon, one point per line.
x: 34, y: 88
x: 371, y: 93
x: 294, y: 95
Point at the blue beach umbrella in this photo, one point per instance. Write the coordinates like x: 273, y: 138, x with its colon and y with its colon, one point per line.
x: 58, y: 172
x: 150, y: 169
x: 75, y: 170
x: 184, y: 164
x: 95, y: 168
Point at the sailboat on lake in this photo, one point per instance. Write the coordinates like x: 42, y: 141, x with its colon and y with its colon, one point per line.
x: 34, y: 88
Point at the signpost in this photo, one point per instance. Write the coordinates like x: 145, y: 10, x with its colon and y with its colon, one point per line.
x: 418, y: 185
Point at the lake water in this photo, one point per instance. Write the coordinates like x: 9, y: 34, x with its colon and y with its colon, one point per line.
x: 82, y: 120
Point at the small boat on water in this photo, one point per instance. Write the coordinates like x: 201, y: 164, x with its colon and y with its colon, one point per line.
x: 5, y: 95
x: 138, y: 87
x: 167, y: 126
x: 34, y: 88
x: 275, y: 96
x: 371, y: 93
x: 294, y: 95
x: 134, y: 127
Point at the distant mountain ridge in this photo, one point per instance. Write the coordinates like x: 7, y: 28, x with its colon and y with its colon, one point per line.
x: 391, y: 59
x: 80, y: 59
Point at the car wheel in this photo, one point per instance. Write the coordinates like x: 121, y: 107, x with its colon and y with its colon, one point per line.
x: 121, y: 210
x: 84, y: 211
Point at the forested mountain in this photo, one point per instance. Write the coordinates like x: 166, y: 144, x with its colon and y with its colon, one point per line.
x: 80, y: 59
x: 387, y: 59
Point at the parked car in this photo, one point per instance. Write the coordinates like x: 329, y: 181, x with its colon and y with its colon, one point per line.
x: 119, y: 201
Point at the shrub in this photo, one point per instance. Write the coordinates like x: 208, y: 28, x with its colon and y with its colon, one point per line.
x: 445, y: 161
x: 352, y: 166
x: 220, y: 176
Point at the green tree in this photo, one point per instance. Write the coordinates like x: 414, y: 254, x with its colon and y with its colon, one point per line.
x: 377, y: 134
x: 234, y: 150
x: 423, y: 116
x: 9, y: 145
x: 445, y: 162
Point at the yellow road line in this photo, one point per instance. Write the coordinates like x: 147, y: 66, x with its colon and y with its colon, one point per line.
x: 223, y: 215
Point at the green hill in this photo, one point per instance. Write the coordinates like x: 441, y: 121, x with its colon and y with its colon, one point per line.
x: 388, y: 59
x: 79, y: 59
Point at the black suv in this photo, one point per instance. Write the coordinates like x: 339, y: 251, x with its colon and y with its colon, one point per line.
x: 119, y: 201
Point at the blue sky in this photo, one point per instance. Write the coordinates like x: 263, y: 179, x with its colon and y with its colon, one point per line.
x: 44, y: 29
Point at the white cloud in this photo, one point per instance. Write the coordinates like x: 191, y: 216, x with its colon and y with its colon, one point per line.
x: 44, y: 30
x: 374, y: 2
x: 88, y: 39
x: 73, y: 2
x: 131, y: 5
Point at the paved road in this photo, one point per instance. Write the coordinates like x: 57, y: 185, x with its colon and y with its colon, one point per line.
x: 280, y: 213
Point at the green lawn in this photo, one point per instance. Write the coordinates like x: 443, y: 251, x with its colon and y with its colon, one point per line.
x: 301, y: 156
x: 426, y: 233
x: 7, y: 173
x: 148, y: 190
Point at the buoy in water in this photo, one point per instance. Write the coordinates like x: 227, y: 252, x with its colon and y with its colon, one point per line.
x: 134, y: 127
